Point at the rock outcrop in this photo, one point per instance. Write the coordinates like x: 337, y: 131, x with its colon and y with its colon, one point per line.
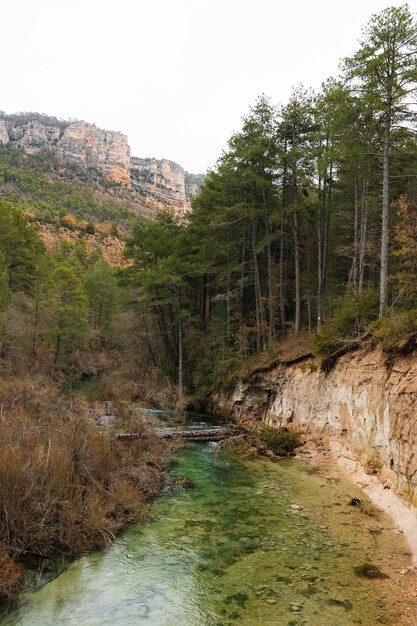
x: 75, y: 142
x: 163, y: 182
x: 104, y: 150
x: 160, y: 183
x: 4, y: 135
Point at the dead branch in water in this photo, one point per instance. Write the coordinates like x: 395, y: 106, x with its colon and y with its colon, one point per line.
x: 203, y: 434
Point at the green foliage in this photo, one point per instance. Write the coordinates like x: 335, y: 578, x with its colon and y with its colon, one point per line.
x: 394, y: 327
x: 41, y: 185
x: 350, y: 319
x: 284, y: 235
x: 102, y: 291
x: 308, y: 366
x: 354, y: 314
x: 21, y: 246
x: 49, y: 289
x: 216, y: 374
x: 323, y: 343
x: 280, y: 440
x: 69, y: 313
x: 90, y: 228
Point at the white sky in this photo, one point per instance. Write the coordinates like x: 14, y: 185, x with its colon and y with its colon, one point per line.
x: 174, y: 75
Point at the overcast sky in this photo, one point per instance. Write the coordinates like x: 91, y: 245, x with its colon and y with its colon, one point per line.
x: 174, y: 75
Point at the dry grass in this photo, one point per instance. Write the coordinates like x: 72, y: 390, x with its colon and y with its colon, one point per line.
x: 151, y: 388
x: 65, y: 486
x: 285, y: 349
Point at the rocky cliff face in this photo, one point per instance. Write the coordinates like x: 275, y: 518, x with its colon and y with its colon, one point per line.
x: 366, y: 408
x: 105, y: 150
x: 160, y: 183
x: 75, y: 142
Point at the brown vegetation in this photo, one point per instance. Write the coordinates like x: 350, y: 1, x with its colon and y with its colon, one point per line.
x: 128, y: 382
x: 102, y: 239
x: 65, y: 485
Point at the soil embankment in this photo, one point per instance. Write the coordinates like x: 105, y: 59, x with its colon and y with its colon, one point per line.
x: 364, y: 409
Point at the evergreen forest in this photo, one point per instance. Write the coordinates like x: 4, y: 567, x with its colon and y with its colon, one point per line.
x: 302, y: 240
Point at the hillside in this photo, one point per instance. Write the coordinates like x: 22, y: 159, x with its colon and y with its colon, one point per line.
x: 80, y: 151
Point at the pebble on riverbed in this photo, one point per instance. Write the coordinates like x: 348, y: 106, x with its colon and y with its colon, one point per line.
x: 296, y: 507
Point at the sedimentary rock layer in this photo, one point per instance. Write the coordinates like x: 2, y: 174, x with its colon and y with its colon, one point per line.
x: 75, y: 142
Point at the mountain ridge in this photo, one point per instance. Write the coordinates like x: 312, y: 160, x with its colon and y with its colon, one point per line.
x: 156, y: 183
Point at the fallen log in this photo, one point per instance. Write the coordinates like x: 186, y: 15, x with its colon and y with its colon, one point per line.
x: 196, y: 434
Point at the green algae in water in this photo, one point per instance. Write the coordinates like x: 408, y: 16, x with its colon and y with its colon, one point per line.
x: 232, y: 551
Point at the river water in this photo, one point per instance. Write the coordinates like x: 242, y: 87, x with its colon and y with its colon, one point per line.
x: 231, y: 550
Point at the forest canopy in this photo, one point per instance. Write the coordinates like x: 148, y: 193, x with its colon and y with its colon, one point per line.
x: 305, y: 227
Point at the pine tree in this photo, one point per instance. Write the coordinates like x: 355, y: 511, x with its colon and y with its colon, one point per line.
x: 102, y: 292
x: 69, y: 313
x: 384, y: 72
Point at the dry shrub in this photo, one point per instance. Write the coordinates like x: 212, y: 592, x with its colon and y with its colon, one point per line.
x: 11, y: 575
x: 151, y: 388
x: 66, y: 486
x: 243, y: 446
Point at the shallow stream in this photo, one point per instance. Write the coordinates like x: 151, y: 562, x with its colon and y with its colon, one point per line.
x: 231, y: 550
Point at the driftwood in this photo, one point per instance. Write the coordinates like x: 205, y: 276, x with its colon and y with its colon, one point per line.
x: 196, y: 434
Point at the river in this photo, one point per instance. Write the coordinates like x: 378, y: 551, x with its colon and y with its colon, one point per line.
x: 231, y: 550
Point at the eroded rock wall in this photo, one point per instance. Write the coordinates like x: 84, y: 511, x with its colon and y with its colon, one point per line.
x: 76, y: 142
x: 161, y: 183
x: 105, y: 150
x: 367, y: 408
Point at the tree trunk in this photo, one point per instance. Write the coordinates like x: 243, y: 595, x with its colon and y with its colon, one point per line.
x: 35, y: 329
x: 271, y: 325
x: 258, y: 295
x: 149, y: 341
x: 180, y: 361
x: 319, y: 255
x: 363, y: 236
x: 383, y: 290
x: 297, y: 321
x: 57, y: 347
x: 282, y: 279
x: 326, y: 227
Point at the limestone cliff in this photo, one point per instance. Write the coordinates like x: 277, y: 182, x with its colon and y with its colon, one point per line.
x: 105, y: 150
x: 162, y: 182
x: 75, y: 142
x: 159, y: 183
x: 366, y: 406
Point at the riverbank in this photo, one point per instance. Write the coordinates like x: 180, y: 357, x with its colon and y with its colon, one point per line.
x: 359, y: 414
x: 67, y: 486
x: 321, y: 450
x: 251, y: 542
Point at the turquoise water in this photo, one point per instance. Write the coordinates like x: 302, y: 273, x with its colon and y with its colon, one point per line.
x: 87, y: 386
x: 231, y: 550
